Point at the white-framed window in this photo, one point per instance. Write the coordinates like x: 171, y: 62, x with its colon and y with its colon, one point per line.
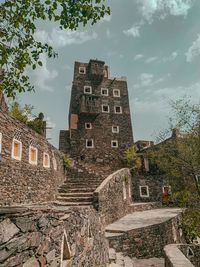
x: 124, y: 190
x: 166, y: 189
x: 0, y: 142
x: 46, y: 160
x: 82, y: 70
x: 88, y: 125
x: 114, y: 143
x: 88, y: 89
x: 16, y: 149
x: 105, y: 108
x: 89, y: 143
x: 116, y: 93
x: 115, y: 129
x: 118, y: 109
x: 104, y: 91
x: 144, y: 191
x: 33, y: 155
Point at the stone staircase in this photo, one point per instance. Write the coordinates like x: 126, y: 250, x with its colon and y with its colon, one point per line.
x: 78, y: 188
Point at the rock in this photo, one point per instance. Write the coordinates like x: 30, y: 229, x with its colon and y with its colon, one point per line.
x: 25, y: 224
x: 51, y: 256
x: 32, y: 262
x: 7, y: 230
x: 16, y: 260
x: 5, y: 254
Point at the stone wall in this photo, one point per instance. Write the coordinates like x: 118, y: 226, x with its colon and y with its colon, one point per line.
x: 113, y: 197
x: 192, y: 252
x: 42, y: 237
x: 147, y: 242
x: 21, y: 181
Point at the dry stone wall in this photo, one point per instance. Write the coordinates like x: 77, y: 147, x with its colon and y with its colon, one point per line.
x: 113, y: 197
x: 43, y: 237
x: 20, y: 181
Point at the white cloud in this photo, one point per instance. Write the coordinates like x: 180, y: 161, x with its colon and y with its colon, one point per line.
x: 43, y: 76
x: 61, y: 38
x: 139, y: 56
x: 108, y: 34
x: 149, y: 8
x: 172, y: 57
x: 151, y: 59
x: 148, y: 80
x: 50, y: 123
x: 106, y: 18
x: 194, y: 50
x: 134, y: 31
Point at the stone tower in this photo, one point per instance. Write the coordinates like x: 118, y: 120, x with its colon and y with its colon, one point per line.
x: 99, y: 115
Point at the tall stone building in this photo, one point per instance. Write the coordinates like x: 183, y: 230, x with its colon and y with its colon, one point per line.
x: 99, y: 115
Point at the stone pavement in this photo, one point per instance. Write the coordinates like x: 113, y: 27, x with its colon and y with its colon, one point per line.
x: 142, y: 219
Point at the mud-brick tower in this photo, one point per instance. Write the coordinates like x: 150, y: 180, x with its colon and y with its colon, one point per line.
x: 99, y: 115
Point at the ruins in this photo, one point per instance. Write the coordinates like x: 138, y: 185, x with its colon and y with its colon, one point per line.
x: 95, y: 213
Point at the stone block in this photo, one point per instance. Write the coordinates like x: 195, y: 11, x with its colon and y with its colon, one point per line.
x: 51, y: 256
x: 7, y: 230
x: 32, y: 262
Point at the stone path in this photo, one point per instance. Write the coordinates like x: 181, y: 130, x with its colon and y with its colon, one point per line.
x: 142, y: 219
x: 118, y: 260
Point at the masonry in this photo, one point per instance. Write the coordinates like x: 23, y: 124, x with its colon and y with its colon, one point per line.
x: 31, y: 168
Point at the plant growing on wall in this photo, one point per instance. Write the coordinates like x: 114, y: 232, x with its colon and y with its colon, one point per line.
x: 132, y: 158
x: 19, y: 47
x: 67, y: 161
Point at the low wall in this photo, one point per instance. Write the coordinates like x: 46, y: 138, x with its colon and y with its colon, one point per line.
x: 192, y: 252
x: 20, y: 181
x: 113, y: 197
x: 45, y: 236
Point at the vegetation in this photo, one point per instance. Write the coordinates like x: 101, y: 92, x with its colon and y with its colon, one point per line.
x: 67, y: 161
x: 178, y: 158
x: 25, y: 115
x: 18, y: 24
x: 132, y: 158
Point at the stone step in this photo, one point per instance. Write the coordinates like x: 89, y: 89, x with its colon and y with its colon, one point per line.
x: 72, y: 204
x: 77, y: 194
x: 76, y: 190
x: 75, y: 199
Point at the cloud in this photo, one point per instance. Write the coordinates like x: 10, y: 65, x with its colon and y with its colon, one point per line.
x: 134, y: 31
x: 139, y: 56
x: 151, y: 59
x: 194, y: 50
x: 61, y: 38
x: 106, y: 18
x: 148, y: 80
x: 163, y: 8
x: 172, y: 57
x: 43, y: 77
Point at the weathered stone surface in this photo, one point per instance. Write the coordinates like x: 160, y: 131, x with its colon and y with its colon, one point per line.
x: 51, y: 256
x: 32, y: 262
x: 25, y: 224
x: 17, y: 260
x: 7, y: 230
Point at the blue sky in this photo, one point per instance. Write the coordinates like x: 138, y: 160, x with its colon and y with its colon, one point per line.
x: 155, y: 43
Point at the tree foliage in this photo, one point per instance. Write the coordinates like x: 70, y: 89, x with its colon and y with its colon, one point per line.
x: 25, y: 115
x: 18, y: 24
x: 132, y: 158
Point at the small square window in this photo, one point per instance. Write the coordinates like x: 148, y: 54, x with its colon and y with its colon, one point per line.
x: 33, y: 152
x: 82, y: 70
x: 118, y: 109
x: 16, y: 149
x: 104, y: 91
x: 115, y: 129
x: 46, y: 160
x: 88, y: 125
x: 114, y: 143
x: 116, y: 93
x: 144, y: 191
x: 105, y: 108
x: 87, y: 89
x: 0, y: 142
x: 89, y: 143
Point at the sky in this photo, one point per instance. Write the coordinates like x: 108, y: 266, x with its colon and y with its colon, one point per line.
x: 155, y: 43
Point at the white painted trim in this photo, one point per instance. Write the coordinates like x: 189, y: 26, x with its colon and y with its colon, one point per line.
x: 30, y: 161
x: 89, y: 87
x: 0, y: 143
x: 90, y: 127
x: 105, y: 105
x: 83, y: 68
x: 106, y: 89
x: 114, y: 93
x: 169, y: 186
x: 92, y: 143
x: 46, y: 154
x: 124, y: 190
x: 141, y: 195
x: 117, y: 130
x: 116, y: 111
x: 112, y: 141
x: 20, y: 149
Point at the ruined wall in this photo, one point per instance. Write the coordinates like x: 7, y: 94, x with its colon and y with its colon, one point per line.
x: 42, y: 237
x: 192, y: 252
x: 21, y: 181
x: 113, y: 197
